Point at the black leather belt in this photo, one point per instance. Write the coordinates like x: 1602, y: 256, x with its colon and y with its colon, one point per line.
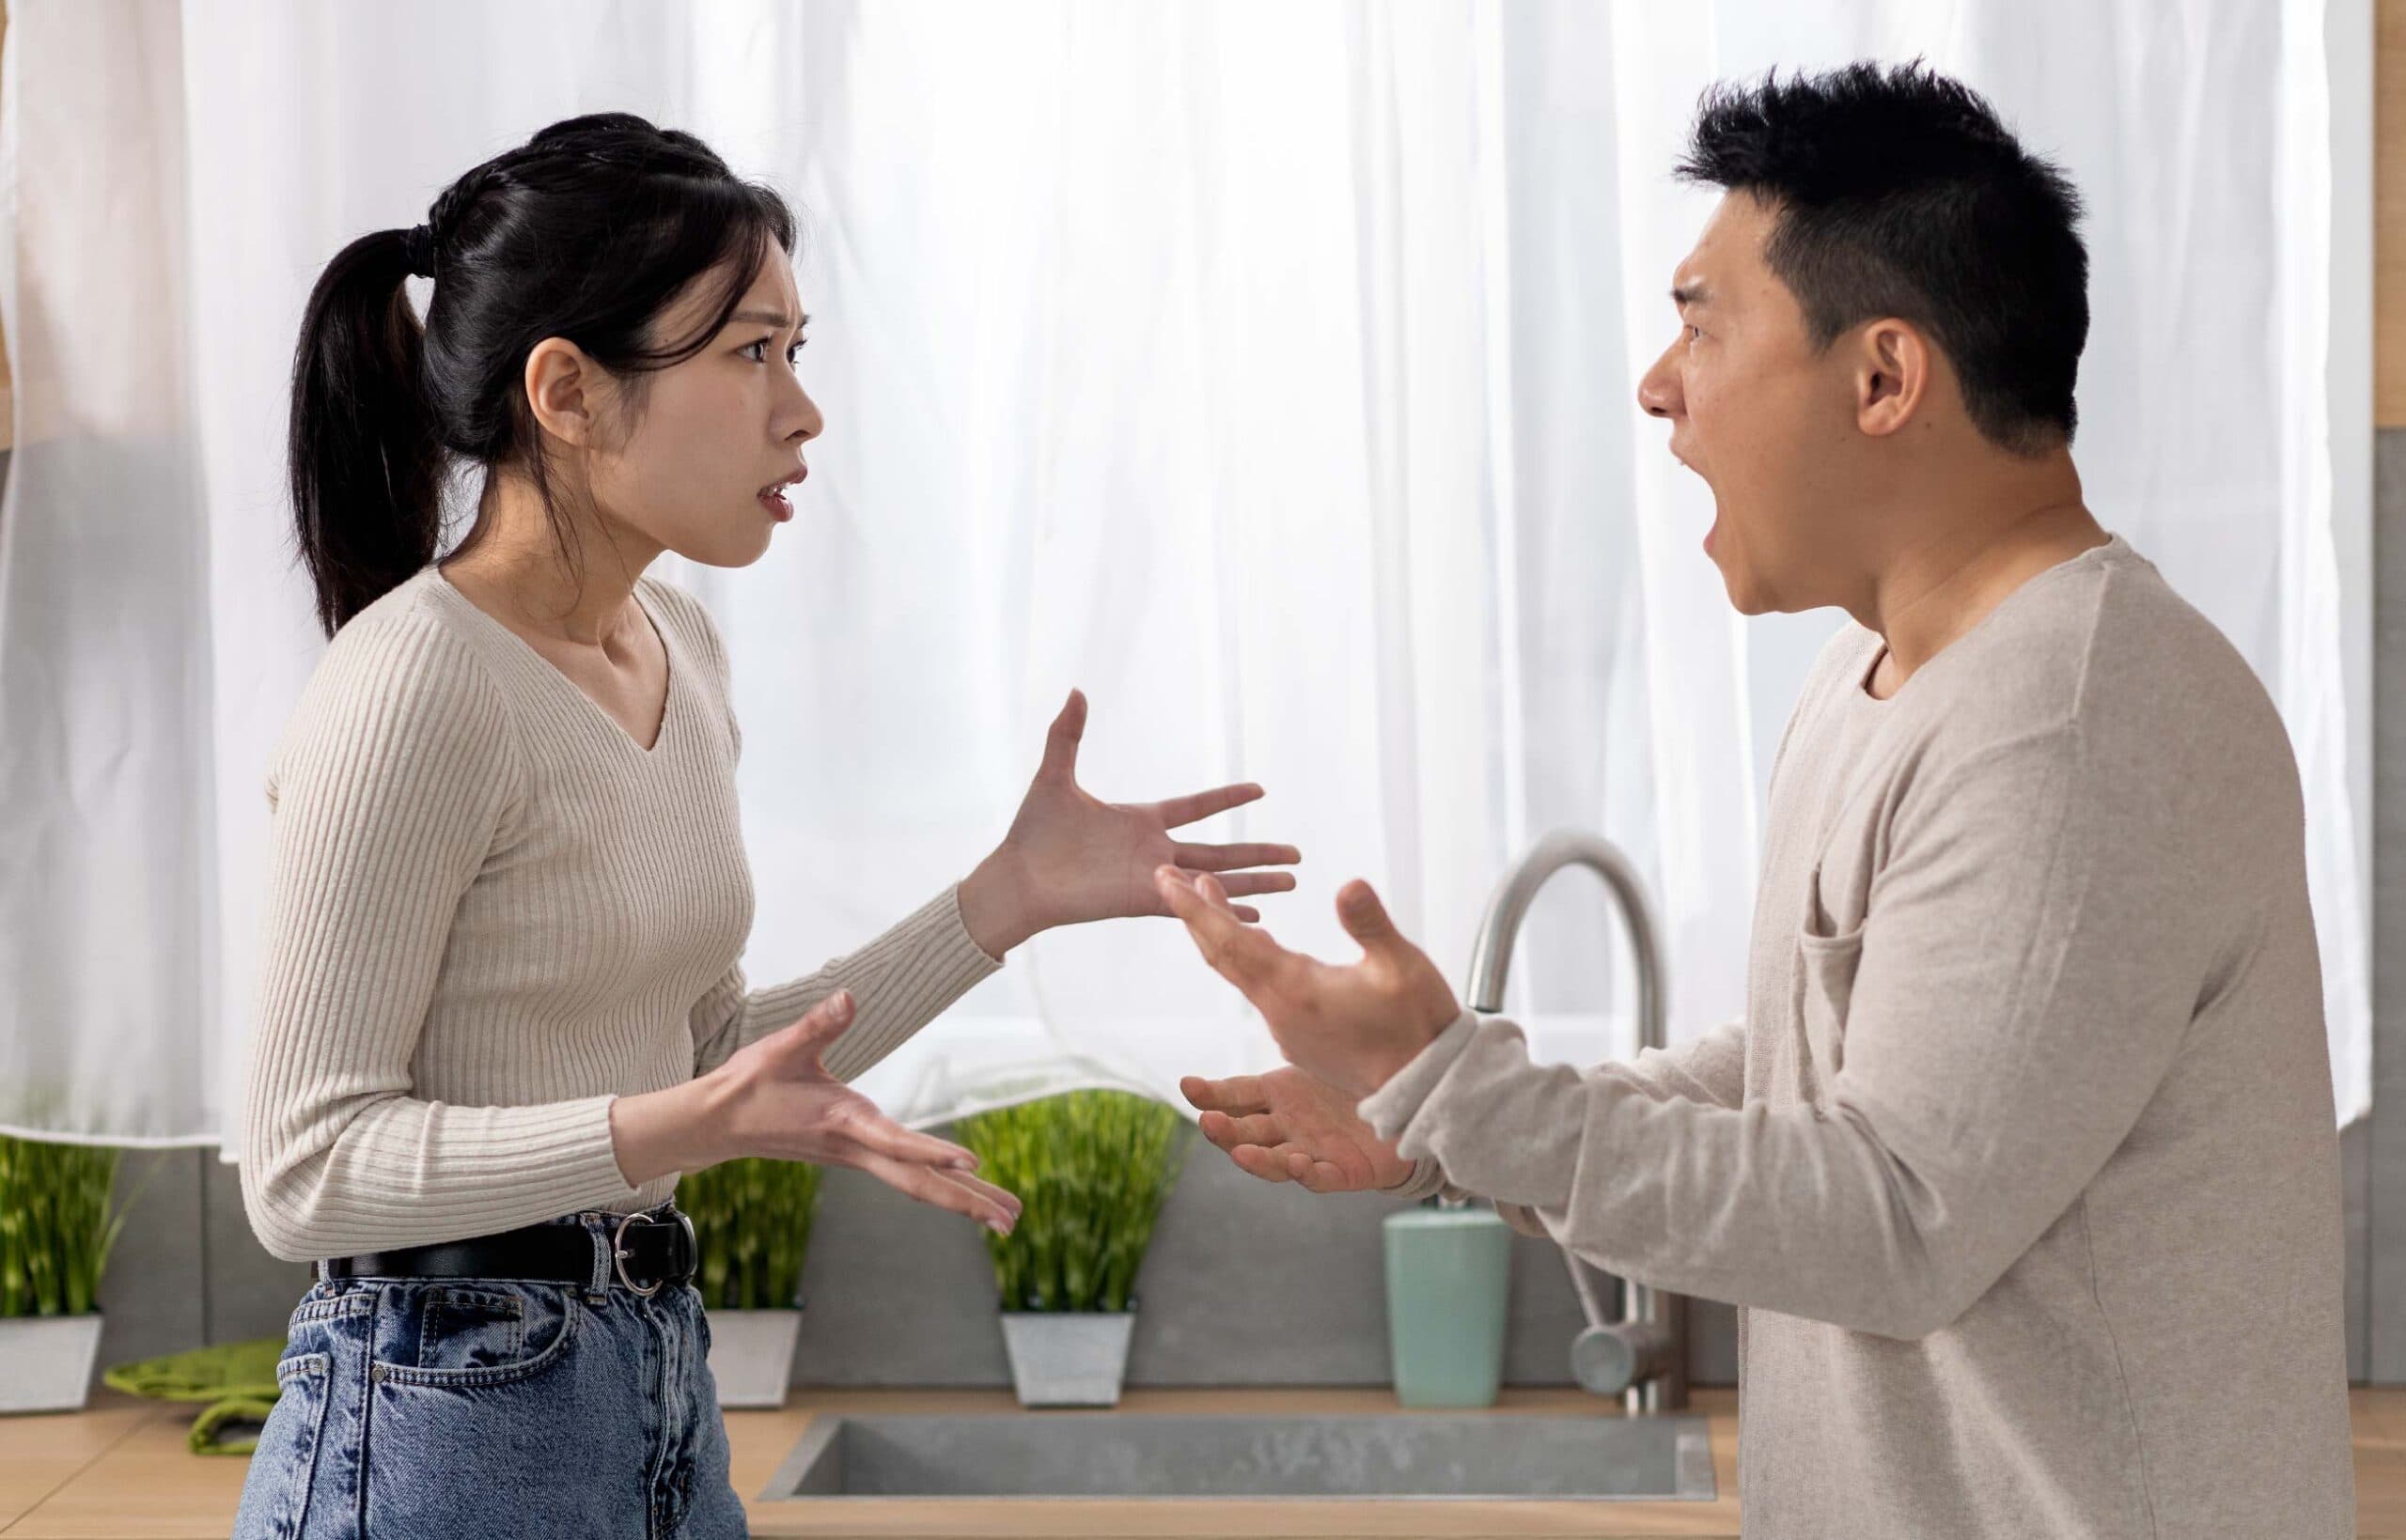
x: 647, y: 1251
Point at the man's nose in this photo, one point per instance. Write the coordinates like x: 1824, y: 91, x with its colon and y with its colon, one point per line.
x: 1658, y: 393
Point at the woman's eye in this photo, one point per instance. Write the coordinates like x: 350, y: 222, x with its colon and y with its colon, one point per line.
x: 794, y: 352
x: 757, y: 352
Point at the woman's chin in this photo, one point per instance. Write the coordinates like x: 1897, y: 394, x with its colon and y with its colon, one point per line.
x: 727, y: 549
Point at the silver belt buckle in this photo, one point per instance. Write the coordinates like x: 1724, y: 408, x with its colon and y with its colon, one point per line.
x: 618, y: 1251
x: 618, y: 1259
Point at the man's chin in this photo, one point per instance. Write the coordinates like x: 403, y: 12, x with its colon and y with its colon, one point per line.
x: 1746, y: 596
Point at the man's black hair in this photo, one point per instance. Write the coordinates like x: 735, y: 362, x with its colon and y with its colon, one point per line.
x: 1897, y: 192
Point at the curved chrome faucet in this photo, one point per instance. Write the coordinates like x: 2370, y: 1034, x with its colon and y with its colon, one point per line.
x: 1642, y: 1356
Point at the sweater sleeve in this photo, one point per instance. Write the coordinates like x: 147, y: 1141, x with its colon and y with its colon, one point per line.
x: 1711, y: 1069
x: 899, y: 983
x: 2027, y: 966
x: 397, y: 777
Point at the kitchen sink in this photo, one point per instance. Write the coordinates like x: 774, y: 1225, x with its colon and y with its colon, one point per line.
x: 1225, y: 1455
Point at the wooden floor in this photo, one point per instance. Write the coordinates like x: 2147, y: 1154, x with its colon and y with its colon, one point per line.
x: 120, y: 1470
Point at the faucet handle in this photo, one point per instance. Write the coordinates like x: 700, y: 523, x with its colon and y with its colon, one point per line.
x: 1608, y: 1360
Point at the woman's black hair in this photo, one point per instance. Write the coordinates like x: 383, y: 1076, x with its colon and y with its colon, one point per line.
x: 585, y: 232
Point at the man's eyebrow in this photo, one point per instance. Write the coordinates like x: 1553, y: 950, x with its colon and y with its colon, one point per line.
x: 769, y: 317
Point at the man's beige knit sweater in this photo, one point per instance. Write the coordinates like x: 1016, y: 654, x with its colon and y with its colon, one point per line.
x: 489, y: 912
x: 2022, y: 1165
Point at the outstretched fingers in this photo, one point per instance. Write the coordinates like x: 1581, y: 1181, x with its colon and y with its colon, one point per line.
x: 1246, y: 884
x: 800, y: 1042
x: 1246, y: 957
x: 1229, y: 1132
x: 1265, y: 1161
x: 1365, y: 919
x: 1229, y: 858
x: 1179, y: 810
x: 1061, y: 740
x: 963, y: 1196
x: 875, y: 1131
x: 1238, y: 1094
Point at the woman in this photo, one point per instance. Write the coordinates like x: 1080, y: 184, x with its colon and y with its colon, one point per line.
x: 501, y: 1008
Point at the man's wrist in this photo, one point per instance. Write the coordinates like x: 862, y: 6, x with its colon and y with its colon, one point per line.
x: 1396, y: 1059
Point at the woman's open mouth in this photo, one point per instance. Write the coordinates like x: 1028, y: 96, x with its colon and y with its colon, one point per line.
x: 773, y: 496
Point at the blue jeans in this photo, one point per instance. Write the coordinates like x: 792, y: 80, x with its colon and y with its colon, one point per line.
x: 492, y: 1407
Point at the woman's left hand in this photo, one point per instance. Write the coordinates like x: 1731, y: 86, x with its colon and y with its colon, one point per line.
x: 1072, y: 857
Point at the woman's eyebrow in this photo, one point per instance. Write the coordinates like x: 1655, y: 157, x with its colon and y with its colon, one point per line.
x: 770, y: 318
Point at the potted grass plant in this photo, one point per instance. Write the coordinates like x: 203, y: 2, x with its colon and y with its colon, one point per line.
x: 752, y: 1226
x: 57, y: 1227
x: 1092, y: 1169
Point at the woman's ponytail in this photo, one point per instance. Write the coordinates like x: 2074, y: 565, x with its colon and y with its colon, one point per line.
x: 366, y: 459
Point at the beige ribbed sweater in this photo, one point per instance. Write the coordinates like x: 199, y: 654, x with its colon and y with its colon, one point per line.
x: 2021, y: 1166
x: 489, y: 912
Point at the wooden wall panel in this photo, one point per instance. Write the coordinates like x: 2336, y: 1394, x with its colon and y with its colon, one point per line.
x: 2389, y: 217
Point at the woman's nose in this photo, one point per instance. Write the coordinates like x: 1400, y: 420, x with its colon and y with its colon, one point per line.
x: 805, y: 423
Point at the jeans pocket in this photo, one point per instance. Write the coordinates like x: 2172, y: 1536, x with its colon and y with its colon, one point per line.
x: 484, y: 1333
x: 468, y: 1327
x: 284, y: 1468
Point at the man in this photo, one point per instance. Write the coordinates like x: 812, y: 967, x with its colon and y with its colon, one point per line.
x: 2021, y: 1166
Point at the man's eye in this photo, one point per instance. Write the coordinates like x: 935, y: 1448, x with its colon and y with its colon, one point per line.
x: 1693, y: 332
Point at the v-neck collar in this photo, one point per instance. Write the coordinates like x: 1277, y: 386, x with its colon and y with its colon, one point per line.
x: 535, y: 657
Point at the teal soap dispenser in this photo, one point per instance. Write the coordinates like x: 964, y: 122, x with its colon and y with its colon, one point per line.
x: 1449, y: 1274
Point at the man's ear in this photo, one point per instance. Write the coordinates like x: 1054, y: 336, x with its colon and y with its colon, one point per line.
x: 1894, y: 370
x: 565, y: 391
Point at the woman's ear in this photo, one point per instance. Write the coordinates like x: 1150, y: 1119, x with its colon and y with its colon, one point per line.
x: 1891, y: 375
x: 565, y: 390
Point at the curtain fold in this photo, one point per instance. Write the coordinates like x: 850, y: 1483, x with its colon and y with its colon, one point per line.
x: 1266, y: 370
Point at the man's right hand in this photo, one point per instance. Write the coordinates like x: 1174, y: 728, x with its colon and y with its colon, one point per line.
x: 1286, y: 1126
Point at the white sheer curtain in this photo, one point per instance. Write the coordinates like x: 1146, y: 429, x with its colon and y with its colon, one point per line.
x: 1264, y: 369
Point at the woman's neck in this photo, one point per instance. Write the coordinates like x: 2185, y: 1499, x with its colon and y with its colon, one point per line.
x: 512, y: 564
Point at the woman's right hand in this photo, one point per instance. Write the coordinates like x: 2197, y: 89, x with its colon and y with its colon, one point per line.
x: 773, y: 1097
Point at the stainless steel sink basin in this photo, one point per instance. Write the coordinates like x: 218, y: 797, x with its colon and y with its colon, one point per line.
x: 1225, y: 1455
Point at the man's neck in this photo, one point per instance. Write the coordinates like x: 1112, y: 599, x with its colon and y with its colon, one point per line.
x: 1937, y: 586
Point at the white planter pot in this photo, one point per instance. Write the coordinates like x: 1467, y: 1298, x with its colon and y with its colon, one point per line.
x: 752, y: 1355
x: 48, y: 1361
x: 1067, y: 1358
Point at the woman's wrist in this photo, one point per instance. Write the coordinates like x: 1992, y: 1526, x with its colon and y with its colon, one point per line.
x: 676, y: 1129
x: 993, y: 904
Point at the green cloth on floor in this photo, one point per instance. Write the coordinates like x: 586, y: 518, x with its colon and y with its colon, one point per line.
x: 236, y: 1379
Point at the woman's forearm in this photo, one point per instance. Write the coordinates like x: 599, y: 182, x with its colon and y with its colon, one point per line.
x: 677, y: 1129
x: 993, y: 905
